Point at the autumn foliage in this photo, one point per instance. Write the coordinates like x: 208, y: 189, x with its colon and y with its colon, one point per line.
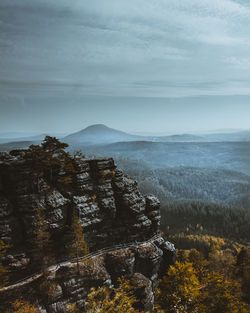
x: 20, y: 306
x: 206, y: 285
x: 103, y: 301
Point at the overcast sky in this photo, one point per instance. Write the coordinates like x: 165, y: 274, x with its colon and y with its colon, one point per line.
x: 137, y: 65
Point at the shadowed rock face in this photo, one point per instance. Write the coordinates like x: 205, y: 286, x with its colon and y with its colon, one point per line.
x: 73, y: 287
x: 111, y: 211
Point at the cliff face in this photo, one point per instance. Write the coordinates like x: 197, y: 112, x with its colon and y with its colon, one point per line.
x: 111, y: 210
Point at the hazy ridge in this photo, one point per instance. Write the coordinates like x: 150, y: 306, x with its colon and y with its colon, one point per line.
x: 178, y: 167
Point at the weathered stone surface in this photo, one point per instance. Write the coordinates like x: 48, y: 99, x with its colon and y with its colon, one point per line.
x: 111, y: 210
x: 136, y: 263
x: 148, y: 260
x: 55, y: 219
x: 55, y: 200
x: 17, y: 261
x: 120, y: 263
x: 143, y: 290
x: 169, y: 254
x: 152, y: 203
x: 5, y: 207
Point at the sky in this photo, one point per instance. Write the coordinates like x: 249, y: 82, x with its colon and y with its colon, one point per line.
x: 137, y: 65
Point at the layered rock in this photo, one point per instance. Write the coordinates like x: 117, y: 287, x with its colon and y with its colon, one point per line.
x: 111, y: 210
x: 140, y: 264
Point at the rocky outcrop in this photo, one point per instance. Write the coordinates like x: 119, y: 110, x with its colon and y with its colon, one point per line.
x: 111, y: 210
x: 139, y: 263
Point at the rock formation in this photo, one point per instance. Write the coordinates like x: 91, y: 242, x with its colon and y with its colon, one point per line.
x: 111, y: 210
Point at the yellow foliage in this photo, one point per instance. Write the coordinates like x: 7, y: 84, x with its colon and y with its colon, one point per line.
x: 20, y: 306
x: 112, y: 172
x: 101, y: 301
x: 72, y: 308
x: 222, y: 295
x: 179, y: 289
x: 220, y: 276
x: 198, y: 261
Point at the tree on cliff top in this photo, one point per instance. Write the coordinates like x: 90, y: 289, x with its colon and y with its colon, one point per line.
x: 55, y: 154
x: 53, y: 145
x: 52, y: 161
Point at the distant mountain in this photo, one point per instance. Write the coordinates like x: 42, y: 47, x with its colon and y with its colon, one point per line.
x: 181, y: 138
x: 99, y: 134
x: 214, y: 137
x: 234, y: 136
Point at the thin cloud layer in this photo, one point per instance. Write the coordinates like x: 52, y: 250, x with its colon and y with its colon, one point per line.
x: 111, y: 45
x: 117, y: 48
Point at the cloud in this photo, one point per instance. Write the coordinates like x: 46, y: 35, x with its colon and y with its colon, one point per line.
x: 242, y: 63
x: 174, y: 47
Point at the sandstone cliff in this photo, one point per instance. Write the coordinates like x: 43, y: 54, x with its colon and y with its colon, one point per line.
x: 111, y: 210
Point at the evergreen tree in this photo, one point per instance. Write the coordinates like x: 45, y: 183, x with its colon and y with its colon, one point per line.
x: 243, y: 271
x: 77, y: 246
x: 51, y: 161
x: 47, y: 287
x: 66, y: 174
x: 54, y: 152
x: 53, y: 145
x: 42, y: 237
x: 243, y: 258
x: 37, y: 157
x: 4, y: 278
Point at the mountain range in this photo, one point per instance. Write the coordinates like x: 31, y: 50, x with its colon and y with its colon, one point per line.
x: 100, y: 134
x: 154, y: 156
